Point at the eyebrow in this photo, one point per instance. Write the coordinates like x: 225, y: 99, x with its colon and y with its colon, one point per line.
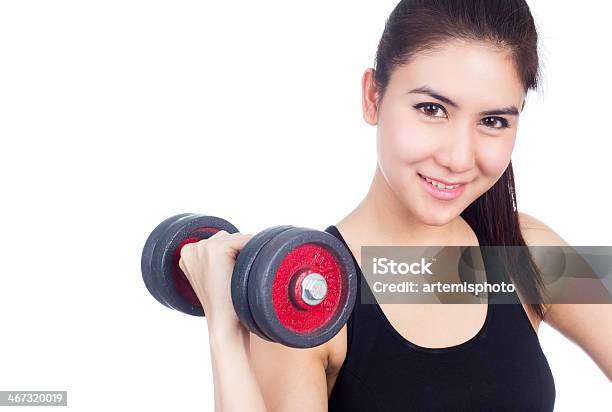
x: 509, y: 110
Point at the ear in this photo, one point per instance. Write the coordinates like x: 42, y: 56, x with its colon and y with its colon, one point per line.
x: 369, y: 97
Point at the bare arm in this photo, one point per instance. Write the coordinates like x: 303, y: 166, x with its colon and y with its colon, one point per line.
x: 249, y: 373
x: 587, y: 325
x: 235, y: 385
x: 291, y: 379
x: 253, y: 374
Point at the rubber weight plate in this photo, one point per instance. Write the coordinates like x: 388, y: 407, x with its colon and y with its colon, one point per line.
x: 240, y: 276
x: 147, y: 254
x: 272, y: 287
x: 174, y: 286
x: 156, y: 263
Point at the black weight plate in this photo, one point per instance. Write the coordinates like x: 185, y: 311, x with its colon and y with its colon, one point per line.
x: 261, y: 280
x: 157, y: 278
x: 164, y: 254
x: 147, y: 254
x: 240, y: 276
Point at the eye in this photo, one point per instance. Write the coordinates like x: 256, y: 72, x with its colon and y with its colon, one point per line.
x: 491, y: 121
x: 430, y: 109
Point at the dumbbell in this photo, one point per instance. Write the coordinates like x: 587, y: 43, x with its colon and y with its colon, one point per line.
x: 291, y: 285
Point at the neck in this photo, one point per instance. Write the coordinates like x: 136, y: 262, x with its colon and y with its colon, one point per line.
x: 381, y: 218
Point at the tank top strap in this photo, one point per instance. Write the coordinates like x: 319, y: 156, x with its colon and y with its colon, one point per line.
x: 351, y: 320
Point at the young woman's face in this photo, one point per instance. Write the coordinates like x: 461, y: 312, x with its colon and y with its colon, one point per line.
x: 450, y: 115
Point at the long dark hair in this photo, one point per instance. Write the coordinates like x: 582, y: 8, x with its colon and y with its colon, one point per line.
x: 420, y: 25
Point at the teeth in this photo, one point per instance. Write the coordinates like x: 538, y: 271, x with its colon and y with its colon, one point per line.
x: 440, y: 185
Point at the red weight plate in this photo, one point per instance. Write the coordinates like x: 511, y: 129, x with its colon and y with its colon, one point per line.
x: 301, y: 261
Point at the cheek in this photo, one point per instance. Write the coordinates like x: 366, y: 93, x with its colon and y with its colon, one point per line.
x: 494, y: 156
x: 404, y: 141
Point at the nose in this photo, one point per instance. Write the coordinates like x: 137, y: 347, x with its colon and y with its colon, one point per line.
x: 458, y: 149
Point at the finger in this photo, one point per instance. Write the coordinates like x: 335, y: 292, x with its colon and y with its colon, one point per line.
x: 186, y: 249
x: 236, y: 241
x: 220, y: 234
x: 183, y: 267
x: 229, y: 237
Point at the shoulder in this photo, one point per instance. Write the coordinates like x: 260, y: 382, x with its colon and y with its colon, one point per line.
x: 537, y: 233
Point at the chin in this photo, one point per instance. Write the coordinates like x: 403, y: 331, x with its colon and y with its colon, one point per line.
x: 431, y: 215
x: 433, y: 218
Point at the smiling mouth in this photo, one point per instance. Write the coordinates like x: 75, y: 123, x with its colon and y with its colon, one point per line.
x: 441, y: 184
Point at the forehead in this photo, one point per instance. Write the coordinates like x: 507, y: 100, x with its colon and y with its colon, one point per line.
x: 473, y: 74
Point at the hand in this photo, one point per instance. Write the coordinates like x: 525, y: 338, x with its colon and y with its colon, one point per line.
x: 208, y: 265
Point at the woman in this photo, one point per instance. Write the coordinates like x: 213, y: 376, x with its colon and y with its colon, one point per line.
x: 450, y: 82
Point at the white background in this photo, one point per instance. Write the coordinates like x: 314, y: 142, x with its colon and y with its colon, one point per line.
x: 117, y: 114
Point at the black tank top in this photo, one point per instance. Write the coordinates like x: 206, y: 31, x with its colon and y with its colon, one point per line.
x: 501, y: 368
